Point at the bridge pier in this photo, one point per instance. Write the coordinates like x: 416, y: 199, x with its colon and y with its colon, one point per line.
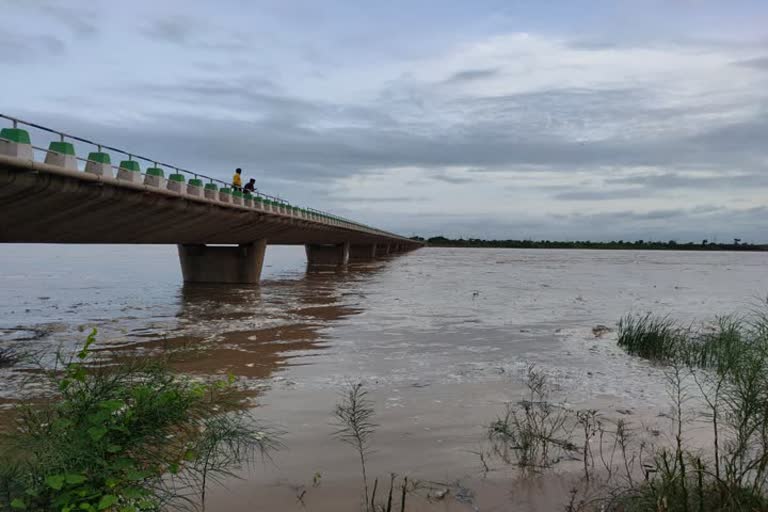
x: 328, y: 255
x: 240, y: 264
x: 362, y: 252
x: 382, y: 249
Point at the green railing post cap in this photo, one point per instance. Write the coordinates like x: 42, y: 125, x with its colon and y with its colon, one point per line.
x: 99, y: 157
x: 63, y: 148
x: 16, y: 135
x: 130, y: 165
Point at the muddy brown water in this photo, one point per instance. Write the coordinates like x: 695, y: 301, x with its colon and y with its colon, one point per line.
x: 440, y: 337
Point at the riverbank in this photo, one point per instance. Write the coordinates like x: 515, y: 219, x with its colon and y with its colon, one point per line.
x: 638, y: 245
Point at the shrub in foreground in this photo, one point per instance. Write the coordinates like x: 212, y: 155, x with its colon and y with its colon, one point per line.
x: 132, y: 436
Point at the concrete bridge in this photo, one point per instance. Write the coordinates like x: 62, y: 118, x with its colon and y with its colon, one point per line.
x: 221, y: 233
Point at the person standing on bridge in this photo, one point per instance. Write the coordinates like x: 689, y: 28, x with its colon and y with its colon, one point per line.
x: 250, y: 186
x: 237, y: 183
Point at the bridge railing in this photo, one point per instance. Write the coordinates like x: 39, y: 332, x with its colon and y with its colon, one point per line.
x: 63, y: 137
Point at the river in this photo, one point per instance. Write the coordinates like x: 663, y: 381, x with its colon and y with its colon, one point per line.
x: 439, y: 336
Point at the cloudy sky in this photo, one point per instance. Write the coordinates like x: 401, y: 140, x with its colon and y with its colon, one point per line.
x: 556, y: 119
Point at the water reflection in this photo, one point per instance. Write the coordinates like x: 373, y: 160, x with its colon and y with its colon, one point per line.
x: 252, y: 331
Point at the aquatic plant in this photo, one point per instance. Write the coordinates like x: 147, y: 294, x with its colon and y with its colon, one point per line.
x: 130, y: 436
x: 728, y: 363
x: 650, y: 336
x: 717, y: 372
x: 354, y: 417
x: 534, y: 432
x: 9, y: 356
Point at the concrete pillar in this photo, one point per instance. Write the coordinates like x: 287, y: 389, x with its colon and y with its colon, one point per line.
x: 236, y: 265
x: 129, y: 170
x: 362, y: 252
x: 176, y: 183
x: 16, y: 142
x: 327, y: 255
x: 155, y: 177
x: 61, y: 154
x: 211, y: 191
x: 195, y: 187
x: 382, y: 249
x: 99, y: 163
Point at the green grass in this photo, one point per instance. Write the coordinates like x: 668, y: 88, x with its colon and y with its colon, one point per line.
x: 658, y: 338
x: 722, y: 346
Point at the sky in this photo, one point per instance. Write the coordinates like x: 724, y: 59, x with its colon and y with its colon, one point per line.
x: 516, y: 119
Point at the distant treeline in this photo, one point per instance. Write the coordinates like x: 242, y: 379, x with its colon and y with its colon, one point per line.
x: 704, y: 245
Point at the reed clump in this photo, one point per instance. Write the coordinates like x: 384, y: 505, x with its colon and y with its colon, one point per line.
x: 724, y: 367
x: 653, y: 337
x: 717, y: 382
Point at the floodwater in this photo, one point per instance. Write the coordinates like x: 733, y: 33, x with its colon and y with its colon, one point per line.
x: 440, y: 337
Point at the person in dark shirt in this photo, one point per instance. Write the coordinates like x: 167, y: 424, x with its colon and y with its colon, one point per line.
x: 250, y: 186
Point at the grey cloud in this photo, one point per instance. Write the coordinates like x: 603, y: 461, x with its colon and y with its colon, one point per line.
x: 391, y: 199
x: 601, y: 195
x: 744, y: 137
x: 472, y: 74
x: 593, y: 44
x: 81, y: 22
x: 757, y: 63
x: 292, y: 134
x: 178, y: 30
x: 676, y: 180
x: 18, y: 49
x: 193, y: 33
x: 455, y: 180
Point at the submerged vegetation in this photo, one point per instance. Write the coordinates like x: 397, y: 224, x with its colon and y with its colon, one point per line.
x: 717, y: 378
x: 722, y: 368
x: 535, y: 433
x: 132, y: 436
x: 9, y: 356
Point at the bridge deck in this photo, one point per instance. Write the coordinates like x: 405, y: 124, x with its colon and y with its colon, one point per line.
x: 49, y: 204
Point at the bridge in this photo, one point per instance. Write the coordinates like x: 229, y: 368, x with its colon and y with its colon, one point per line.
x: 221, y: 233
